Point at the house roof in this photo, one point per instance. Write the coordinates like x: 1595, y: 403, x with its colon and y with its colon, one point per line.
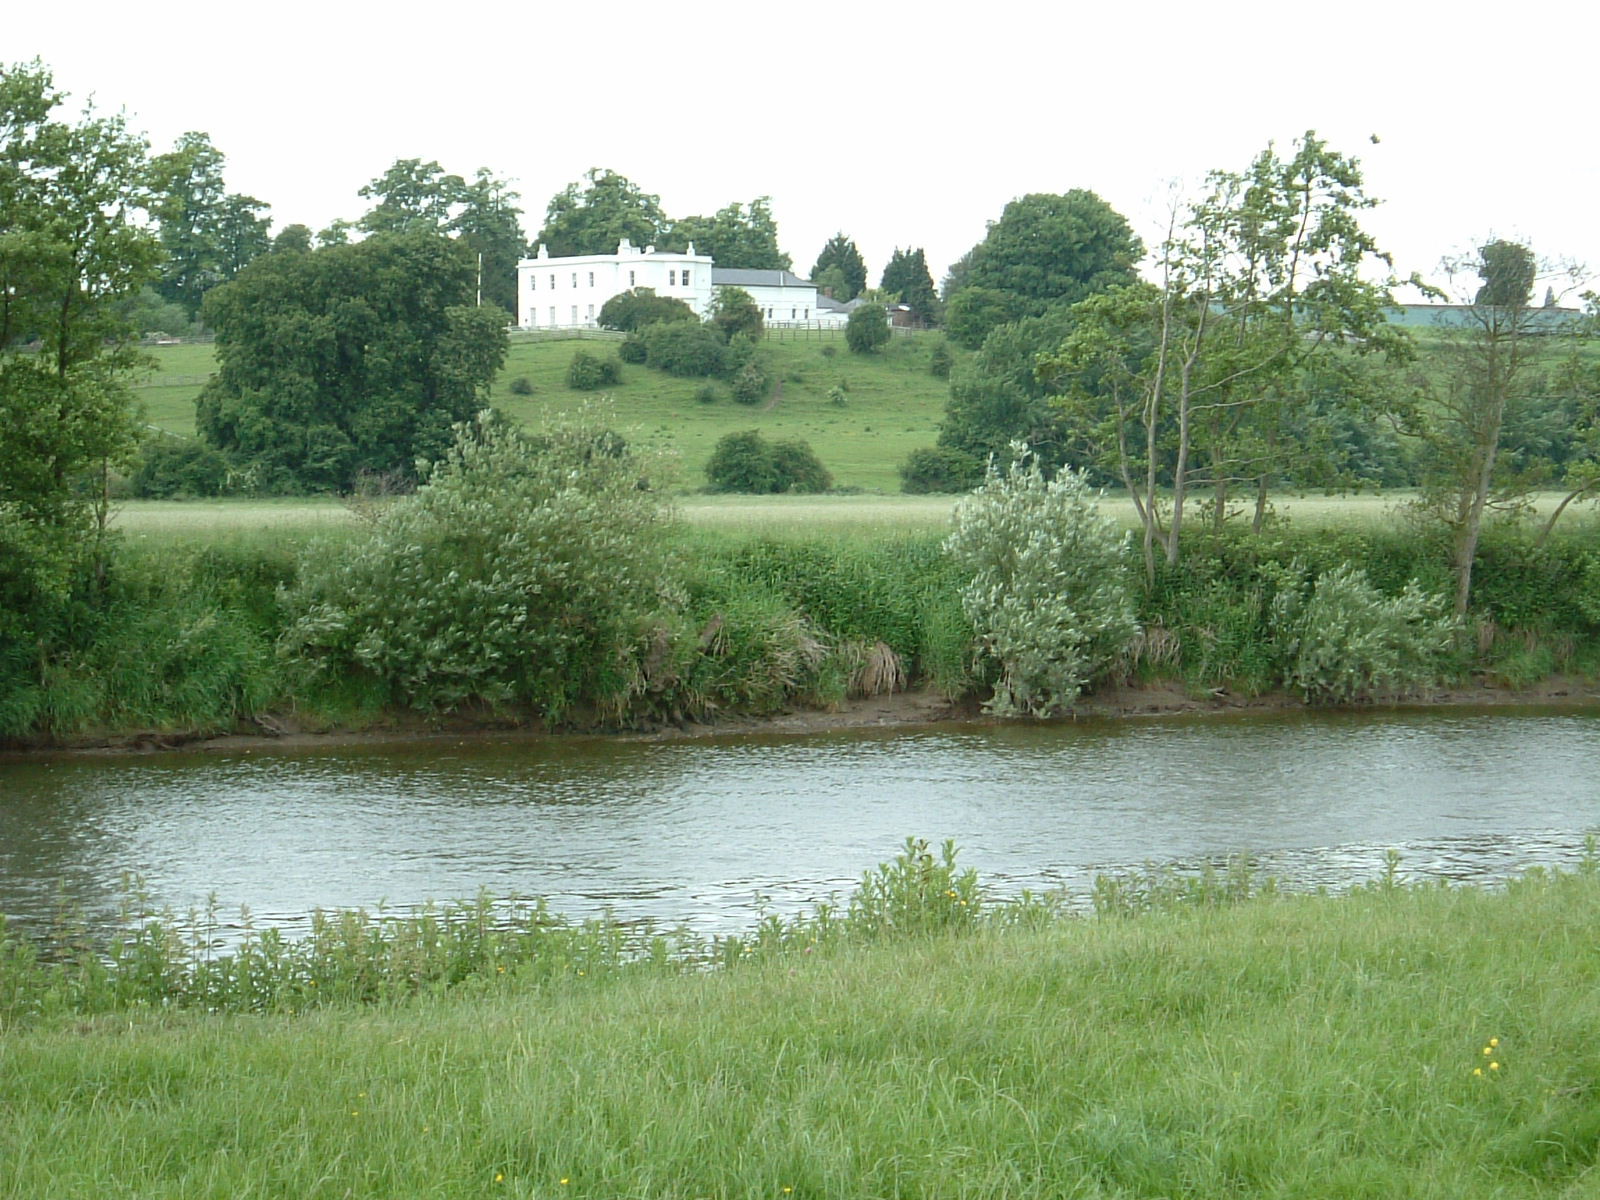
x: 743, y: 277
x: 829, y: 304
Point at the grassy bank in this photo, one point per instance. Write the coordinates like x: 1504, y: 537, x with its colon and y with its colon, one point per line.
x: 1398, y: 1041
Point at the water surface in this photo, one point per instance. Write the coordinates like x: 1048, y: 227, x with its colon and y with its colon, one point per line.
x: 700, y: 831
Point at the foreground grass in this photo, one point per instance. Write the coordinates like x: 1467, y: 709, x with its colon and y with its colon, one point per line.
x: 1285, y: 1047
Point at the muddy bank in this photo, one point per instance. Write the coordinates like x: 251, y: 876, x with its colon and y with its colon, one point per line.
x: 918, y: 707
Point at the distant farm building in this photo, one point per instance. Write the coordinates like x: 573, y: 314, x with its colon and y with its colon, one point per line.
x: 1548, y: 319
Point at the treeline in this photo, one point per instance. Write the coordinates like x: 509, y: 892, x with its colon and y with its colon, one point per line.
x: 544, y: 580
x: 1259, y: 359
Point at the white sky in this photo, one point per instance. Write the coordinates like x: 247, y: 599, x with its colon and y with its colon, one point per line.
x: 900, y: 124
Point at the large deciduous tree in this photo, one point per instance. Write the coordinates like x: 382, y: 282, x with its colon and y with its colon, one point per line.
x: 1044, y: 250
x: 208, y: 233
x: 348, y: 359
x: 1194, y: 383
x: 594, y: 215
x: 737, y: 236
x: 73, y: 252
x: 998, y: 398
x: 412, y: 197
x: 840, y: 270
x: 417, y: 197
x: 487, y: 225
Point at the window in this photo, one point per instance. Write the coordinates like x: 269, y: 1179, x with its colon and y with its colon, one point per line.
x: 533, y: 283
x: 686, y: 277
x: 533, y: 316
x: 630, y: 278
x: 591, y: 312
x: 807, y: 317
x: 552, y: 314
x: 574, y: 308
x: 591, y: 278
x: 552, y: 281
x: 769, y: 314
x: 791, y: 314
x: 672, y: 278
x: 574, y: 283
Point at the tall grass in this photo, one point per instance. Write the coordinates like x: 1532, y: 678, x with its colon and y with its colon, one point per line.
x: 1396, y: 1041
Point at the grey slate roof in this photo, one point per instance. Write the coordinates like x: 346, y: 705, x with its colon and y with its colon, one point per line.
x: 741, y: 277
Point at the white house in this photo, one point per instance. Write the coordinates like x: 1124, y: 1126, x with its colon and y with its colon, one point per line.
x: 556, y: 293
x: 565, y: 293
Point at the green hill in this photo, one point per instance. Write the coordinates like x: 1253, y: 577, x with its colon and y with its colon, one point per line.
x: 893, y: 402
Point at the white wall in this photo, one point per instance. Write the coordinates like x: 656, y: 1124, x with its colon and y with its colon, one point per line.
x: 570, y: 291
x: 780, y: 304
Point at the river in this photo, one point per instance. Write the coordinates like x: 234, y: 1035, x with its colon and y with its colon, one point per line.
x: 703, y: 832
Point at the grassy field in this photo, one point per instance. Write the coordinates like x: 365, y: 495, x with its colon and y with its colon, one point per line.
x: 167, y: 392
x: 779, y: 516
x: 1397, y: 1042
x: 894, y: 403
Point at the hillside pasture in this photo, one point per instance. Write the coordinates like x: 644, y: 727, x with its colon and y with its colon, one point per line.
x: 893, y: 401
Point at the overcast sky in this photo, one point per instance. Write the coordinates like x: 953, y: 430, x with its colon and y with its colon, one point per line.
x: 900, y: 124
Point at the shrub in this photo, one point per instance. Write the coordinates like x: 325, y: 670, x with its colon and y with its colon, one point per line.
x: 940, y: 469
x: 867, y: 331
x: 170, y: 466
x: 747, y: 462
x: 941, y: 360
x: 1047, y: 586
x: 1346, y: 642
x: 589, y: 374
x: 522, y: 572
x: 521, y: 386
x: 742, y: 462
x: 632, y: 349
x: 798, y: 467
x: 631, y: 311
x: 750, y: 384
x: 708, y: 394
x: 837, y: 396
x: 733, y: 311
x: 828, y: 350
x: 741, y: 350
x: 685, y: 350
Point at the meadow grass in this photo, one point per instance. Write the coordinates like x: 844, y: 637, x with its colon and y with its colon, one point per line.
x: 1397, y: 1041
x: 864, y: 516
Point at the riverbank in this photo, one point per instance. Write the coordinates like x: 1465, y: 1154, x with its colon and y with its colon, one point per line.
x: 207, y: 643
x: 913, y: 708
x: 1397, y: 1041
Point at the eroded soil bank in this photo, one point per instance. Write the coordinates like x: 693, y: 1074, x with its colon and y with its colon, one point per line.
x: 917, y: 707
